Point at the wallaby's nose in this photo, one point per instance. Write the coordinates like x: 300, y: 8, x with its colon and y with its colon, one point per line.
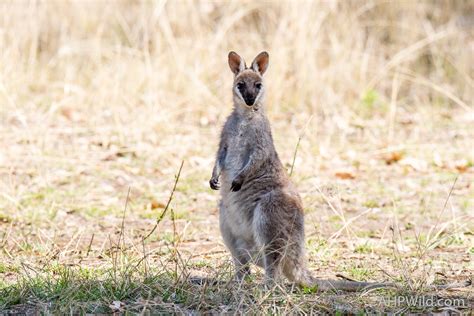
x: 249, y: 100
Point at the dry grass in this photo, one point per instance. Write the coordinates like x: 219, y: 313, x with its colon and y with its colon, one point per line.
x: 97, y: 97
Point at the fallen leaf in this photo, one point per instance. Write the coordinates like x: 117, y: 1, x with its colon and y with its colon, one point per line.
x: 70, y: 114
x: 345, y: 175
x: 461, y: 165
x: 393, y: 157
x: 67, y: 113
x: 156, y: 204
x: 4, y: 219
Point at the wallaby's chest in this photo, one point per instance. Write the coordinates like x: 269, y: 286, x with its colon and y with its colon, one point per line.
x: 243, y: 135
x: 240, y: 143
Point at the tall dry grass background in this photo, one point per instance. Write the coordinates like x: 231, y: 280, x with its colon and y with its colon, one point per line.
x: 99, y: 96
x: 154, y: 76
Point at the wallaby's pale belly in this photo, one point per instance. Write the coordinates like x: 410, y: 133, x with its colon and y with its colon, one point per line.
x: 235, y: 220
x: 236, y: 215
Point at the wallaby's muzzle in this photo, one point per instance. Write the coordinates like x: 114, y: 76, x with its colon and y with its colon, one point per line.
x: 250, y: 102
x: 249, y: 98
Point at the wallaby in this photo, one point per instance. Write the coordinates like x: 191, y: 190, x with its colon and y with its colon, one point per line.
x: 261, y: 213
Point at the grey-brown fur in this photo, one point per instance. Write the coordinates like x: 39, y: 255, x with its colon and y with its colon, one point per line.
x: 261, y: 214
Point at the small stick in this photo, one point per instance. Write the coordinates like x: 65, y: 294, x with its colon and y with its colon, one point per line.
x: 145, y: 255
x: 298, y: 144
x: 90, y: 245
x: 162, y: 215
x: 123, y: 222
x: 426, y: 248
x: 294, y: 155
x: 345, y: 278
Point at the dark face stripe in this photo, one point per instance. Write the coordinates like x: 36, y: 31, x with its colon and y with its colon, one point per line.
x: 247, y: 85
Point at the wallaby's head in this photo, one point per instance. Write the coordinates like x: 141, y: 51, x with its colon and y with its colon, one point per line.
x: 248, y: 89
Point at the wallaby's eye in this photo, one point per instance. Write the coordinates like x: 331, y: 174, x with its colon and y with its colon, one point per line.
x: 240, y: 86
x: 258, y: 85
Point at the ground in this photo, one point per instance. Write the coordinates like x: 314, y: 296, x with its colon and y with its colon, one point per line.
x: 94, y: 129
x: 372, y: 213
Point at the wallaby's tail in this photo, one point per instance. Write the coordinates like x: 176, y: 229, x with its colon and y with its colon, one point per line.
x: 337, y: 285
x: 348, y: 286
x: 354, y: 286
x: 305, y: 278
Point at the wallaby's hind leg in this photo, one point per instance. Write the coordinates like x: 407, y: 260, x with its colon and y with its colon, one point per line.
x: 241, y: 263
x: 240, y: 254
x: 237, y: 247
x: 272, y: 264
x: 278, y: 224
x: 296, y: 272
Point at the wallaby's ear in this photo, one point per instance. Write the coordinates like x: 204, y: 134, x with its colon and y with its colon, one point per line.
x: 260, y: 63
x: 236, y: 63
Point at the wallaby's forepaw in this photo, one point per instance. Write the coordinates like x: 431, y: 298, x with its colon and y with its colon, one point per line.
x: 236, y: 185
x: 214, y: 184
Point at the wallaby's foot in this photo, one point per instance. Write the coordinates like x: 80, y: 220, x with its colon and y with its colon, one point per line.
x: 242, y: 273
x: 214, y: 184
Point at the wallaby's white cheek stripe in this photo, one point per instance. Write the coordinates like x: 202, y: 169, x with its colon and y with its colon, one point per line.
x: 238, y: 93
x: 259, y: 95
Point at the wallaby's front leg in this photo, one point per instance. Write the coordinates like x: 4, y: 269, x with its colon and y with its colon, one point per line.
x: 214, y: 182
x: 216, y: 171
x: 254, y: 161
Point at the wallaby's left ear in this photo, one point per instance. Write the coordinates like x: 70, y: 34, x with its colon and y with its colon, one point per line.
x: 236, y: 63
x: 260, y: 63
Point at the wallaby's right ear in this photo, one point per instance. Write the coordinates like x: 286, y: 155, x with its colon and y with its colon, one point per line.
x: 260, y: 63
x: 236, y: 63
